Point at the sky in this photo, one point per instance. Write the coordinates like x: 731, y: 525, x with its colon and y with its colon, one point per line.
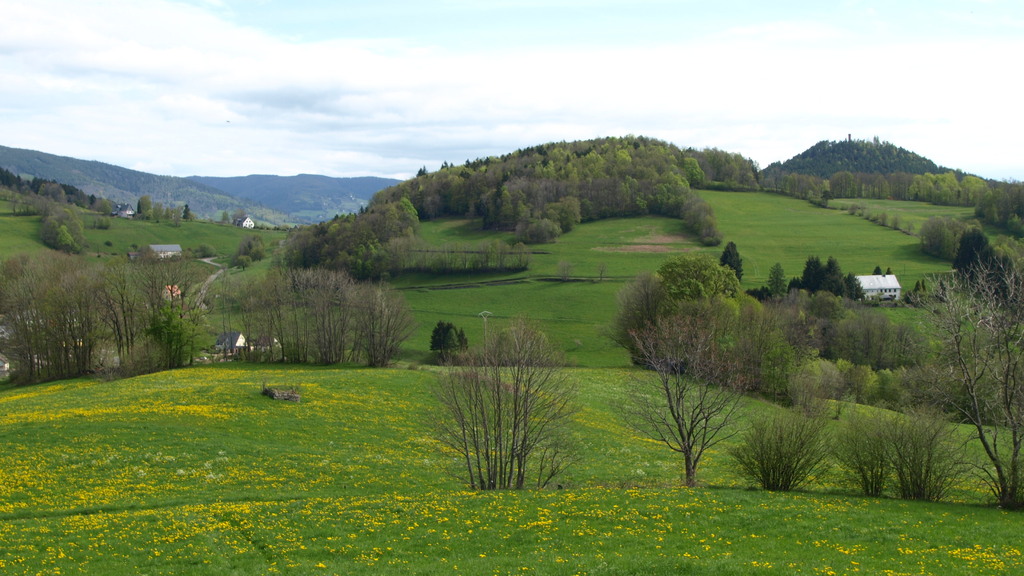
x: 382, y: 88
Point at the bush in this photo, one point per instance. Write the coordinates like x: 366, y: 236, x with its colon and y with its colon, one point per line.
x: 861, y: 449
x: 541, y: 231
x: 926, y: 455
x: 782, y: 451
x: 205, y: 251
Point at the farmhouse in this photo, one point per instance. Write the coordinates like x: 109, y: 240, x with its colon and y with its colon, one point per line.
x: 884, y: 287
x: 123, y: 211
x: 230, y: 342
x: 245, y: 222
x: 166, y: 250
x: 5, y: 366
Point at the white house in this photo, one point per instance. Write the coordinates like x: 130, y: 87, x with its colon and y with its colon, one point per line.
x: 245, y: 222
x: 884, y: 287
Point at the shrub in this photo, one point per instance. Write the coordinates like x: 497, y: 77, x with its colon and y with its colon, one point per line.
x: 861, y: 448
x: 782, y: 451
x: 926, y: 455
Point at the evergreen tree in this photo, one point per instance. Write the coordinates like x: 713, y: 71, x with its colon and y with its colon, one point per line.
x: 731, y: 258
x: 852, y: 287
x: 833, y: 280
x: 777, y: 284
x: 973, y: 251
x: 446, y: 340
x: 813, y: 276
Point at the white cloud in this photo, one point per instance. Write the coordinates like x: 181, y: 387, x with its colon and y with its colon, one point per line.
x: 176, y: 88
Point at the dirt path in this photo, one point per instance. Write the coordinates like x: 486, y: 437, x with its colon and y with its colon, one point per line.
x: 209, y: 280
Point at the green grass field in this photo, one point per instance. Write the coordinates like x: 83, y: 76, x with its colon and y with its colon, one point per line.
x: 766, y: 228
x: 20, y: 235
x: 769, y: 228
x: 913, y: 213
x: 194, y: 472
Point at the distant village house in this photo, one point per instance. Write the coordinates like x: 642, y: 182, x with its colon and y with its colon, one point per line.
x: 882, y: 287
x: 166, y: 250
x: 230, y: 343
x: 123, y: 211
x: 245, y: 222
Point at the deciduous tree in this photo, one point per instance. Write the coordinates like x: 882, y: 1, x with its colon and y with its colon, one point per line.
x: 689, y: 401
x: 506, y: 408
x: 697, y: 276
x: 980, y: 318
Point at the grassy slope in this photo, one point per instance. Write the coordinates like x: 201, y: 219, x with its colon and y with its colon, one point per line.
x: 769, y: 229
x: 766, y: 228
x: 20, y: 234
x: 194, y: 472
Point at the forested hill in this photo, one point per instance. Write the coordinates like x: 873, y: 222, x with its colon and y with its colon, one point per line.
x: 538, y: 192
x: 608, y: 177
x: 856, y: 156
x: 119, y: 184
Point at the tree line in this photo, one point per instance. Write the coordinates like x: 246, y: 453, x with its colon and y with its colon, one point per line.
x: 319, y: 316
x: 66, y: 317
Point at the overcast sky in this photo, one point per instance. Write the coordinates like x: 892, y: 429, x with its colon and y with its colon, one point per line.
x: 347, y: 88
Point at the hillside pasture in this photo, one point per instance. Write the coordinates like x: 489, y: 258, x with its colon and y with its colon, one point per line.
x: 20, y: 233
x: 769, y: 228
x: 574, y: 311
x: 193, y: 471
x: 913, y: 213
x: 129, y: 235
x: 576, y: 314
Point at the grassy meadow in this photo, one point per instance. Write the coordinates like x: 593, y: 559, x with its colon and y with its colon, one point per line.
x: 766, y: 228
x: 193, y: 471
x: 20, y: 235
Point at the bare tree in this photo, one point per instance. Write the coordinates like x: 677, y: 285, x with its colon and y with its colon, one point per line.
x: 328, y: 298
x: 51, y: 316
x: 564, y: 270
x: 506, y: 408
x: 980, y: 317
x: 690, y: 401
x: 641, y: 303
x: 123, y: 306
x: 384, y: 324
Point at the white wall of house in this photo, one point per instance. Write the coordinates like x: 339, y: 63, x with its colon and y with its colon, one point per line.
x: 883, y: 287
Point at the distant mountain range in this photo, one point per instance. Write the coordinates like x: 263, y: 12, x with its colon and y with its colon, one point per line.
x: 305, y: 198
x: 272, y: 200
